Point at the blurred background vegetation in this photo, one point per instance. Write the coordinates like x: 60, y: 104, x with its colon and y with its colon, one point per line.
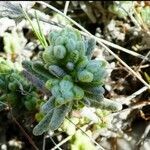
x: 116, y: 23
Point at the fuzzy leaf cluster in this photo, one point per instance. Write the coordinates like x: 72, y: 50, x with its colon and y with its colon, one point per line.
x: 15, y: 89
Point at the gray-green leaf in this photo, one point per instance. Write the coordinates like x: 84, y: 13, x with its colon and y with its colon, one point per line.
x: 43, y: 124
x: 58, y: 116
x: 48, y: 106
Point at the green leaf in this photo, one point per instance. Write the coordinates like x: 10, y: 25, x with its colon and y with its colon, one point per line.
x: 65, y: 85
x: 145, y: 13
x: 59, y: 51
x: 70, y: 45
x: 13, y: 86
x: 81, y: 47
x: 73, y: 56
x: 95, y: 97
x: 36, y: 31
x: 90, y: 45
x: 60, y: 101
x: 85, y: 76
x: 147, y: 77
x: 68, y: 96
x: 37, y: 82
x: 82, y: 63
x: 38, y: 67
x: 40, y: 31
x: 106, y: 104
x: 86, y: 102
x: 94, y: 90
x: 48, y: 56
x: 56, y: 90
x: 48, y: 106
x: 58, y: 116
x: 43, y: 124
x: 28, y: 66
x: 78, y: 92
x: 94, y: 65
x: 100, y: 75
x: 60, y: 40
x: 53, y: 35
x: 56, y: 71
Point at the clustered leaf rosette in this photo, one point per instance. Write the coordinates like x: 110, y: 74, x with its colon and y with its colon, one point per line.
x: 74, y: 79
x: 15, y: 89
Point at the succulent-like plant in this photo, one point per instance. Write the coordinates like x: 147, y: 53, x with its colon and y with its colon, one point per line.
x: 66, y: 69
x: 15, y: 90
x: 121, y: 8
x: 145, y: 13
x: 13, y: 44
